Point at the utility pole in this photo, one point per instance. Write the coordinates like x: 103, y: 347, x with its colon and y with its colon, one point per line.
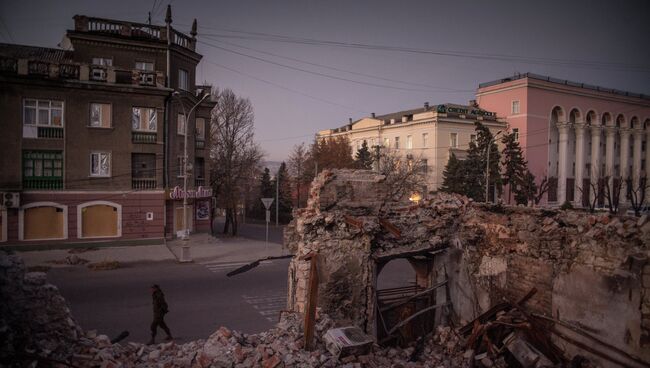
x: 277, y: 197
x: 185, y: 252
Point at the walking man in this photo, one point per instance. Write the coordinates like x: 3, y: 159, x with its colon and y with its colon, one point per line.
x: 159, y: 311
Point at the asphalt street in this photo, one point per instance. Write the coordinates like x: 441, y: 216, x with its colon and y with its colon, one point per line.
x: 254, y: 230
x: 200, y: 297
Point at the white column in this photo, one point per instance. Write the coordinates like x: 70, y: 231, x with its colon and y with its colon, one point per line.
x: 580, y: 164
x: 609, y: 152
x: 563, y: 128
x: 624, y: 161
x: 595, y: 159
x: 636, y: 157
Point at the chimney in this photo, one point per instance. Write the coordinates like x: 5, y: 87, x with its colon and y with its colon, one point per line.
x: 426, y: 106
x: 392, y: 121
x: 373, y: 115
x: 350, y: 120
x: 405, y: 118
x: 473, y: 103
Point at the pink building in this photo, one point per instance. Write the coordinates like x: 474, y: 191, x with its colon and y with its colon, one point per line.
x: 573, y: 132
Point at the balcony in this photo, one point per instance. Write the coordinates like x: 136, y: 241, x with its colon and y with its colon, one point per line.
x: 144, y: 137
x: 199, y: 144
x: 143, y: 183
x: 139, y: 31
x: 199, y: 182
x: 43, y: 183
x: 47, y: 132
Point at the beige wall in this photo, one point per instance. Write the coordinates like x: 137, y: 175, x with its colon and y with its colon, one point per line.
x: 437, y: 126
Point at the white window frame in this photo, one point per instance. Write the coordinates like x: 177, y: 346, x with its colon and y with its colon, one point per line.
x: 110, y: 164
x: 49, y: 108
x: 409, y: 142
x: 396, y: 142
x: 515, y: 131
x: 387, y: 142
x: 21, y: 219
x: 94, y: 203
x: 181, y: 122
x: 200, y: 137
x: 515, y: 107
x: 101, y: 115
x: 102, y: 61
x: 183, y: 79
x: 472, y: 138
x: 142, y: 65
x: 425, y: 139
x: 453, y: 140
x: 151, y: 112
x: 181, y: 166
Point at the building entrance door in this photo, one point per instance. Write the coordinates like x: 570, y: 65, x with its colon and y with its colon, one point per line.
x: 178, y: 219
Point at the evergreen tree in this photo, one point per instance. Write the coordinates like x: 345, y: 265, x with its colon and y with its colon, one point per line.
x: 267, y: 190
x: 515, y: 167
x: 363, y: 157
x: 527, y: 190
x: 453, y: 180
x: 475, y: 164
x: 284, y: 193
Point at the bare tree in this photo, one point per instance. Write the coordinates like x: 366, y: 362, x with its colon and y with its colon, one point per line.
x: 637, y: 193
x: 612, y: 187
x: 404, y: 175
x: 297, y: 165
x: 233, y: 153
x: 542, y: 189
x: 587, y: 192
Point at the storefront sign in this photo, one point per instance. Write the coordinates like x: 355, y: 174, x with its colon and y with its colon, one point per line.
x: 201, y: 192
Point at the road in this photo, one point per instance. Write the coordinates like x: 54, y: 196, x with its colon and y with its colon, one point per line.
x: 256, y: 231
x: 200, y: 296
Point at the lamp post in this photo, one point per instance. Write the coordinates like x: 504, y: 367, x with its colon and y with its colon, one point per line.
x: 185, y: 252
x: 487, y: 165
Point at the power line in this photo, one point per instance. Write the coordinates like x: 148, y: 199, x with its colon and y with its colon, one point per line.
x: 313, y: 72
x: 462, y: 54
x: 445, y: 89
x: 282, y: 87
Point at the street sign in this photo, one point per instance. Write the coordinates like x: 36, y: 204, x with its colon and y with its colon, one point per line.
x: 267, y: 202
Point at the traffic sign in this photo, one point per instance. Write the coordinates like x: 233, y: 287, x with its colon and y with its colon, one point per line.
x: 267, y: 202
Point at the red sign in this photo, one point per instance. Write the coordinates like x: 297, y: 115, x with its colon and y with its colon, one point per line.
x: 200, y: 192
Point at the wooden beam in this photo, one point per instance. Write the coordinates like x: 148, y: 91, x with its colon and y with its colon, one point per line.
x: 404, y: 322
x: 312, y: 292
x: 390, y: 228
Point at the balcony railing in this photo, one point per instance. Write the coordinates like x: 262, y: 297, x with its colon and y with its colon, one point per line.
x: 38, y: 67
x: 143, y: 137
x: 43, y: 183
x: 143, y: 183
x: 50, y: 132
x: 144, y: 78
x: 69, y: 71
x: 199, y: 182
x: 199, y: 144
x: 8, y: 65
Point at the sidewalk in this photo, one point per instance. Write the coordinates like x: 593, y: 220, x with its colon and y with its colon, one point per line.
x: 203, y: 248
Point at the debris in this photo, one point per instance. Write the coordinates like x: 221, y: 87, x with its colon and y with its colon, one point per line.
x: 346, y: 341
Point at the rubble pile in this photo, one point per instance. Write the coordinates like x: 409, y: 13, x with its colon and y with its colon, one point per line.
x: 34, y: 318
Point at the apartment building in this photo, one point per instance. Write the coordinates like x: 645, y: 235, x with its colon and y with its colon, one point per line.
x: 429, y: 134
x: 93, y: 141
x: 574, y: 132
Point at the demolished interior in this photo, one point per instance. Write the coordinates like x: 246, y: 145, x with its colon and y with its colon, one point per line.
x: 584, y: 278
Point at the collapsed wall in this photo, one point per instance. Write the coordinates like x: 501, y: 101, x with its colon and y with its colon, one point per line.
x: 590, y: 271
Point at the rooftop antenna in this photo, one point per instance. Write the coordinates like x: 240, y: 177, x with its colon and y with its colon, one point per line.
x: 149, y: 18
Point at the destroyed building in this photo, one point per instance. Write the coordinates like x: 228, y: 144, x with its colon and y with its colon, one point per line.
x: 589, y: 273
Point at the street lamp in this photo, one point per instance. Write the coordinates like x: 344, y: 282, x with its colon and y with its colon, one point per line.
x: 487, y: 165
x: 185, y: 252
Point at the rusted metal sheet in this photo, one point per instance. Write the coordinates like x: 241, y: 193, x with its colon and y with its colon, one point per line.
x: 390, y: 228
x: 353, y: 222
x: 310, y: 313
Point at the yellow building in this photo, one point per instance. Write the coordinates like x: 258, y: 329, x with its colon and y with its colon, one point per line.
x: 429, y: 134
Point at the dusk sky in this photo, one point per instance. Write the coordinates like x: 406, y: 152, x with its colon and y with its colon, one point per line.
x: 310, y: 65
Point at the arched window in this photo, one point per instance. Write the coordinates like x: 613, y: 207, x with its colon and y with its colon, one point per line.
x: 43, y: 221
x: 99, y: 219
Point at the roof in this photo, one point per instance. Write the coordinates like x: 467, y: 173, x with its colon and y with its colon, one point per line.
x: 564, y: 82
x: 440, y: 108
x: 34, y: 52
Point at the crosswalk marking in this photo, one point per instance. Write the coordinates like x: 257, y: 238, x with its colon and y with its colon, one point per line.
x: 268, y: 306
x: 218, y: 267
